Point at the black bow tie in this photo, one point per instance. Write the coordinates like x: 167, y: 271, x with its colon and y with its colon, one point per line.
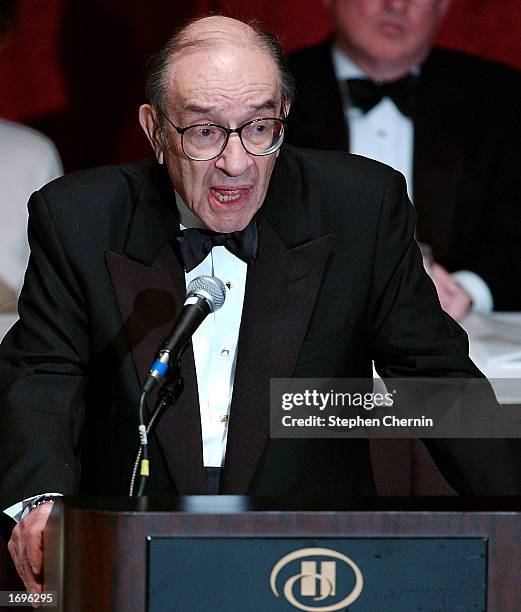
x: 195, y: 244
x: 366, y: 94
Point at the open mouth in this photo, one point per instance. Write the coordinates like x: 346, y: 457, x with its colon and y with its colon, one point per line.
x: 229, y: 196
x: 226, y: 195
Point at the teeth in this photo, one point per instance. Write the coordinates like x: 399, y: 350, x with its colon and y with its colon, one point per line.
x: 227, y: 198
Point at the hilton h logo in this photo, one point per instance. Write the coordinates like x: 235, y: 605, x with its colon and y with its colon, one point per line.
x: 311, y: 575
x: 326, y: 577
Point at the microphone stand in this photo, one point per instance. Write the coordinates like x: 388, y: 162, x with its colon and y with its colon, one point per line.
x: 167, y: 397
x: 205, y: 294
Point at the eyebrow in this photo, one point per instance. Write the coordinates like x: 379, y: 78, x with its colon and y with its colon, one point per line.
x: 202, y: 110
x: 268, y: 104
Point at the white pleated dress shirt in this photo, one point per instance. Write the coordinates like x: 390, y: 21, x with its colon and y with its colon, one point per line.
x: 215, y: 344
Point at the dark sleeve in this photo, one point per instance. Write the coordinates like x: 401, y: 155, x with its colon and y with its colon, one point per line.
x: 483, y: 134
x: 409, y: 333
x: 410, y: 336
x: 43, y: 362
x: 496, y: 257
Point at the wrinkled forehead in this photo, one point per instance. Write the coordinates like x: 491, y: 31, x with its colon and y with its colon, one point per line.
x: 216, y: 73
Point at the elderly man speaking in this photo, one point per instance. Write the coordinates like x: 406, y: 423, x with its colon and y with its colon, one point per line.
x: 322, y: 275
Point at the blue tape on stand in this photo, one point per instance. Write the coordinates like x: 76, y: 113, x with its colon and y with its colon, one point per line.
x: 159, y: 367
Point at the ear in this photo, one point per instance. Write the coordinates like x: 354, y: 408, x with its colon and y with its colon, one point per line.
x: 285, y: 113
x: 151, y: 127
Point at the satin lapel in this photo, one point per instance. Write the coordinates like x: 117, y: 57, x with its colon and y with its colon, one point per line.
x: 281, y: 289
x: 439, y: 156
x: 150, y: 293
x: 150, y: 299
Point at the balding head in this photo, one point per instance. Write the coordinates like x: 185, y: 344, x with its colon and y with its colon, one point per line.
x: 215, y: 32
x: 218, y: 30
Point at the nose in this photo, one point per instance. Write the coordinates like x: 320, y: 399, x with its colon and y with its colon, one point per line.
x: 234, y: 160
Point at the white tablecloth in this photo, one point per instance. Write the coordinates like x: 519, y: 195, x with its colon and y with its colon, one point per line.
x: 495, y: 347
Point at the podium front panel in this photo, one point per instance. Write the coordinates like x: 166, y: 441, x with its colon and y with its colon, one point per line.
x: 284, y: 574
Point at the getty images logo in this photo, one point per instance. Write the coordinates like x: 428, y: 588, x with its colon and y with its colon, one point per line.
x: 310, y: 576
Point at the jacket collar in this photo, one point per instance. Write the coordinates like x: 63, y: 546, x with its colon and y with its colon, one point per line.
x: 155, y: 219
x: 281, y: 287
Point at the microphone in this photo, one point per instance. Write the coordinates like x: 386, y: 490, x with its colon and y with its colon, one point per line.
x: 205, y: 294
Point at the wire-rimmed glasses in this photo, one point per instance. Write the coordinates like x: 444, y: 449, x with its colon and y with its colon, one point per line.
x: 205, y: 141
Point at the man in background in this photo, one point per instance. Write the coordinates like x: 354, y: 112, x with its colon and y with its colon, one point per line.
x: 28, y: 160
x: 449, y: 122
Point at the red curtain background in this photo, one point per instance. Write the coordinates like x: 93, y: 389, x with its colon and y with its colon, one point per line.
x: 75, y: 69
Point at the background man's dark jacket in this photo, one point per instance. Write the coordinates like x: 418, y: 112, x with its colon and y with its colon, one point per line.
x: 338, y: 280
x: 466, y: 183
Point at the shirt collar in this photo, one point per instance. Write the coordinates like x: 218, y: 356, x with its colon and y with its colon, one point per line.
x: 345, y: 68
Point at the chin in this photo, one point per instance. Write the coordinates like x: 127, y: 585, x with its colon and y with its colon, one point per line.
x: 232, y: 226
x: 228, y: 221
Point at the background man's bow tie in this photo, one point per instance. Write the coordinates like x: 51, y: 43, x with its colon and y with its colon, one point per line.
x: 366, y: 94
x: 195, y: 244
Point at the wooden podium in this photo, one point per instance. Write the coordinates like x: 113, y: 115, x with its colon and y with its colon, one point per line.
x: 125, y: 555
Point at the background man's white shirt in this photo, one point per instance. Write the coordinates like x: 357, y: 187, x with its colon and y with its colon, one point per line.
x: 387, y: 135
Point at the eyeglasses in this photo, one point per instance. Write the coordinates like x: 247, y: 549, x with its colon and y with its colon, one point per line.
x: 206, y: 141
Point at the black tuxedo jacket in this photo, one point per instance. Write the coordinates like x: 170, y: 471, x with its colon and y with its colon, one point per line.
x: 338, y: 281
x: 466, y: 158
